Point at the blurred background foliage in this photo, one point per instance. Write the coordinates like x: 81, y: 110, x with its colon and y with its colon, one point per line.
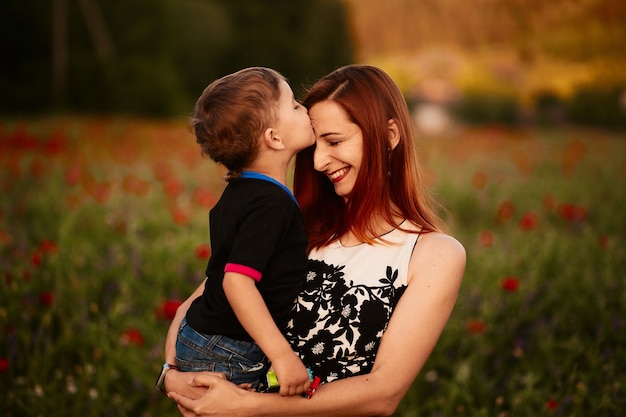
x: 154, y: 57
x: 508, y: 62
x: 99, y: 213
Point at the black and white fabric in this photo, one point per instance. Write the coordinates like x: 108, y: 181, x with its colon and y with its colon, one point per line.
x: 349, y: 296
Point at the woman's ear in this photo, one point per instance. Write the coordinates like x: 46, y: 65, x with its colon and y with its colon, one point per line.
x: 394, y: 134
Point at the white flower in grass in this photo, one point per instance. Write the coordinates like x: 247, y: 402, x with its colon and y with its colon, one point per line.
x: 431, y: 376
x: 71, y: 385
x: 93, y: 393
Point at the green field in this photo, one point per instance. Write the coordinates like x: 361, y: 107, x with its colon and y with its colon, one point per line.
x: 103, y: 229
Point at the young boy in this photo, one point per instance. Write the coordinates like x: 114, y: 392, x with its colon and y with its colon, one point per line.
x: 233, y: 323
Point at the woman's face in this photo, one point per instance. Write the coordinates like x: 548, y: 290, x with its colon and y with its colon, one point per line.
x: 338, y: 145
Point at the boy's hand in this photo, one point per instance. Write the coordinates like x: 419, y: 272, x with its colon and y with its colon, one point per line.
x: 292, y: 375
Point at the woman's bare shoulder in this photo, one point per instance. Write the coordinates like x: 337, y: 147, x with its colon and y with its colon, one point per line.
x: 433, y: 243
x: 439, y: 253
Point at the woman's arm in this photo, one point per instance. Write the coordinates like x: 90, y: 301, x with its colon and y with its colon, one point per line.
x: 172, y: 332
x: 436, y: 270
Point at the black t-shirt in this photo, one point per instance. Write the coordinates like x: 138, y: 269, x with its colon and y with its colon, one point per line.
x: 258, y: 225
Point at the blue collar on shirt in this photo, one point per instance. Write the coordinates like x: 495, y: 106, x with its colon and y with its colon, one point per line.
x: 259, y: 176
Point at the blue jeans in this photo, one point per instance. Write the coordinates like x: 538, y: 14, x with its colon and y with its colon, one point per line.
x: 241, y: 361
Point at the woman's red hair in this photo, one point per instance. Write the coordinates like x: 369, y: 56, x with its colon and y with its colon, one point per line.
x: 370, y: 99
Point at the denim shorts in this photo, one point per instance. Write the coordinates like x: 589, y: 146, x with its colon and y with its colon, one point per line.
x: 241, y: 361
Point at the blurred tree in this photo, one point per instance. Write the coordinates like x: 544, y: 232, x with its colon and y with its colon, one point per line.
x: 25, y: 54
x: 204, y: 32
x: 154, y: 57
x: 303, y: 40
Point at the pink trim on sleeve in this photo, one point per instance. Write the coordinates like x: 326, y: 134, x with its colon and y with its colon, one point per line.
x: 244, y: 270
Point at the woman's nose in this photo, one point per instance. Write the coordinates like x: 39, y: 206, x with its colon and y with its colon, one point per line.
x: 320, y: 158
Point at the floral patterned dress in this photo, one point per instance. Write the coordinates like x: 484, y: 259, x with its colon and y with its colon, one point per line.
x: 349, y: 296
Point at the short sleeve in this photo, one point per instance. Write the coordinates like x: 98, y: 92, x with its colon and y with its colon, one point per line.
x: 263, y: 224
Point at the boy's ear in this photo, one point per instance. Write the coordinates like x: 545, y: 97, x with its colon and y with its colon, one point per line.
x: 272, y: 140
x: 394, y: 133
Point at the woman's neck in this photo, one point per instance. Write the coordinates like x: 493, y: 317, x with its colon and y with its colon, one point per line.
x: 380, y: 227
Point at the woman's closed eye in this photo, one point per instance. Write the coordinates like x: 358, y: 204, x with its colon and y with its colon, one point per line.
x: 334, y: 140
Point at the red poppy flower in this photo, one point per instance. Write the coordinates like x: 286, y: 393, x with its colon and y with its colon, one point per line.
x: 529, y: 221
x: 486, y: 238
x: 36, y: 258
x: 548, y: 203
x: 14, y: 167
x: 135, y: 185
x: 603, y: 241
x: 173, y: 187
x: 162, y: 171
x: 73, y: 174
x: 179, y: 215
x: 479, y: 180
x: 574, y: 153
x: 510, y: 284
x: 73, y: 201
x: 55, y: 145
x: 520, y: 158
x: 46, y: 298
x: 204, y: 197
x: 168, y: 309
x: 476, y: 326
x: 47, y: 246
x: 5, y: 237
x: 37, y: 168
x: 552, y: 405
x: 101, y: 192
x: 572, y: 212
x: 506, y: 211
x: 22, y: 140
x: 4, y: 365
x: 132, y: 336
x: 203, y: 251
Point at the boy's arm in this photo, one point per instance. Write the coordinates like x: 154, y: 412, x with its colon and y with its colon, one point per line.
x: 254, y: 316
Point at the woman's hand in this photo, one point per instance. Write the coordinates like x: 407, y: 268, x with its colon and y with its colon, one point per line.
x: 214, y: 386
x: 182, y: 383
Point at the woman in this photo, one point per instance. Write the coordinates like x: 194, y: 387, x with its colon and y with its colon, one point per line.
x: 383, y: 278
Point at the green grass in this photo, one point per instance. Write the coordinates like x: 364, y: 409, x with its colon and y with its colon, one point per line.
x: 100, y: 220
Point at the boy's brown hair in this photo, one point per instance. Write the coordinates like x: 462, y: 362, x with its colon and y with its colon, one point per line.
x: 232, y: 113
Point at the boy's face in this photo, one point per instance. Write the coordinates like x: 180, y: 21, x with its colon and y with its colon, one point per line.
x: 293, y: 122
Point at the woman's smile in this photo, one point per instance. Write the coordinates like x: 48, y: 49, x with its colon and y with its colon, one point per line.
x: 339, y: 174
